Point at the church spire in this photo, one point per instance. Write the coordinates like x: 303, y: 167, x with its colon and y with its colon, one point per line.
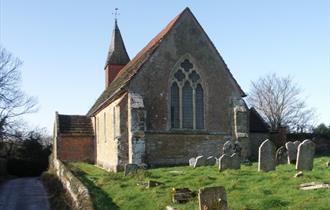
x: 117, y: 54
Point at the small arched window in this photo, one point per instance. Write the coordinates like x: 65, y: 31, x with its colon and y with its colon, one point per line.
x: 187, y: 98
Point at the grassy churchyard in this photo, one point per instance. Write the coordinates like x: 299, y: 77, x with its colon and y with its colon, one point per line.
x: 246, y: 188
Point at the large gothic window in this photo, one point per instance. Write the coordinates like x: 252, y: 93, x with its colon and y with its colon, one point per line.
x: 187, y: 98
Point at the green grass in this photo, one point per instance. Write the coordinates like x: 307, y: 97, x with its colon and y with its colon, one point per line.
x: 246, y: 188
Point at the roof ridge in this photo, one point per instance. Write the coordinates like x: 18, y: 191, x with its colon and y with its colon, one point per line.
x: 135, y: 64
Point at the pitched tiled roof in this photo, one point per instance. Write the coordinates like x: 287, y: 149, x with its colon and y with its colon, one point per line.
x: 75, y: 125
x: 124, y: 76
x: 257, y: 124
x: 132, y: 67
x: 117, y: 52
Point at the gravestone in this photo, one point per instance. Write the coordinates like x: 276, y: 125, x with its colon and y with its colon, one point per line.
x: 281, y: 155
x: 266, y: 159
x: 130, y: 169
x: 235, y: 161
x: 211, y: 161
x: 228, y: 148
x: 296, y: 143
x: 192, y: 161
x: 224, y: 162
x: 229, y: 162
x: 292, y: 152
x: 200, y: 161
x: 212, y: 198
x: 305, y: 155
x: 237, y: 148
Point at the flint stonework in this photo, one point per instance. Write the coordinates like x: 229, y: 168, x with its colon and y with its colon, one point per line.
x: 266, y: 156
x: 281, y: 156
x: 305, y: 155
x: 212, y: 198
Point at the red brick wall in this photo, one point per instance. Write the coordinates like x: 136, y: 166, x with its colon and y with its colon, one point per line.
x: 75, y: 148
x: 111, y: 72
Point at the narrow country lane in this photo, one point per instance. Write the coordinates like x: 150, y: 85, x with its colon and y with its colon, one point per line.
x: 23, y: 194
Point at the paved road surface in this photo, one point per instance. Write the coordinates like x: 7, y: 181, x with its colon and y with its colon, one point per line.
x: 23, y: 194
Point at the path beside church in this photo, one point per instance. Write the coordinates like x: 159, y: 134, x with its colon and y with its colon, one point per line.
x: 23, y: 193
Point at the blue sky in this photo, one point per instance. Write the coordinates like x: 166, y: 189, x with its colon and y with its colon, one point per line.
x: 63, y: 44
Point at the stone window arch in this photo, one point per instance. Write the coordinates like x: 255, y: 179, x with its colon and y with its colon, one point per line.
x: 187, y: 98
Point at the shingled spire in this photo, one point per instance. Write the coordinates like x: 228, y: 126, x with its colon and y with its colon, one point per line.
x: 117, y: 56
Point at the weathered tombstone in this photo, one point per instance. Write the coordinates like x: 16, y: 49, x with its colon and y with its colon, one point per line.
x: 292, y: 152
x: 228, y: 148
x: 212, y: 198
x: 296, y: 143
x: 266, y: 159
x: 235, y: 161
x: 305, y: 155
x: 281, y: 155
x: 200, y: 161
x: 211, y: 161
x: 224, y: 162
x: 192, y: 161
x: 238, y: 148
x: 130, y: 169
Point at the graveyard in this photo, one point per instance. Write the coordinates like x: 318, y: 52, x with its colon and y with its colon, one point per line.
x: 246, y: 188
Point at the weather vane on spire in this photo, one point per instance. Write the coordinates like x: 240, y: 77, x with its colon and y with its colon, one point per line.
x: 116, y: 14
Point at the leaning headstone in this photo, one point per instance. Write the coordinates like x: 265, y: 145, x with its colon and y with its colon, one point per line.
x: 211, y: 161
x: 235, y: 161
x: 305, y: 155
x: 224, y: 162
x: 212, y: 198
x: 292, y: 152
x: 266, y: 159
x: 192, y: 161
x: 130, y: 169
x: 200, y: 161
x: 228, y: 148
x: 281, y: 155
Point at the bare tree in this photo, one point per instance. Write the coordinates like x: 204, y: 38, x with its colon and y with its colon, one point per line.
x: 279, y: 101
x: 13, y: 101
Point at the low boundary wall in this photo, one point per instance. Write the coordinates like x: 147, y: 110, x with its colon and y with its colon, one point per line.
x: 77, y: 191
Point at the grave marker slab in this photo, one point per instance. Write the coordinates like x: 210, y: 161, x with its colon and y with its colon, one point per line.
x: 266, y: 159
x: 212, y: 198
x: 305, y: 155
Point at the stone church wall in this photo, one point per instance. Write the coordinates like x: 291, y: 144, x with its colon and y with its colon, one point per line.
x: 177, y: 149
x: 110, y: 143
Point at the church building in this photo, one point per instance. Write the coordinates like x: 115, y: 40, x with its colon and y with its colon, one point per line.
x: 176, y: 99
